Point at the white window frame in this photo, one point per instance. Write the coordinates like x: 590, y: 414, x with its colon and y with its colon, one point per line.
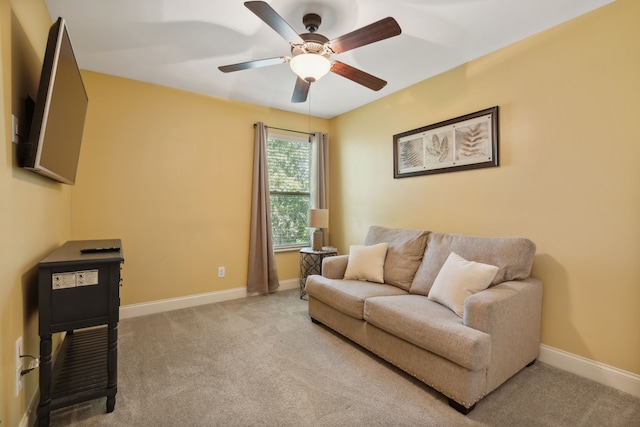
x: 294, y: 138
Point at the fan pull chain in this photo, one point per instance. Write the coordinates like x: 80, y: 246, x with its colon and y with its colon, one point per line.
x: 309, y: 109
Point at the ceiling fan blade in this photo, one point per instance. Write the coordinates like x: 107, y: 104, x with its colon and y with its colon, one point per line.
x: 358, y: 76
x: 301, y: 90
x: 253, y: 64
x: 275, y: 21
x: 380, y: 30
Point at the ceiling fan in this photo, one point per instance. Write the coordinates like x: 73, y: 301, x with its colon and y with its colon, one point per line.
x: 310, y: 52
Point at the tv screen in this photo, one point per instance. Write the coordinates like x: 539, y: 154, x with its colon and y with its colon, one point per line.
x: 53, y: 145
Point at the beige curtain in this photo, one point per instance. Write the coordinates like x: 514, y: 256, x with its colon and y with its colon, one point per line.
x: 263, y: 276
x: 319, y: 175
x: 319, y: 165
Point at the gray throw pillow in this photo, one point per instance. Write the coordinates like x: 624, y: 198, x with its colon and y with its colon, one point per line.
x: 404, y: 254
x: 512, y: 255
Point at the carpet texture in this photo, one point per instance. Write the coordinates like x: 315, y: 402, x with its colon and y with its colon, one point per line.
x: 260, y: 361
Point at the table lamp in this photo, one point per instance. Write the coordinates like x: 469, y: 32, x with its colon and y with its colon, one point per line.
x: 318, y: 219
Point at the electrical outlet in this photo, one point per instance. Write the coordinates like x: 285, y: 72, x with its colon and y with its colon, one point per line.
x: 18, y: 366
x: 221, y: 271
x: 14, y: 129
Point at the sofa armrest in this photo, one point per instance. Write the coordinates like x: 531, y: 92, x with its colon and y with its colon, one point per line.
x: 334, y: 267
x: 510, y: 313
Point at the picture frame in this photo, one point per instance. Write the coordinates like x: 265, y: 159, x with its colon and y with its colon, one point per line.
x: 463, y: 143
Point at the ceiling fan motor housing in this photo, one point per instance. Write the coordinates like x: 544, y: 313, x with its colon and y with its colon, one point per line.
x: 313, y: 43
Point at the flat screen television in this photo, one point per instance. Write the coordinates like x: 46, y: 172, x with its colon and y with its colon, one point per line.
x: 52, y: 148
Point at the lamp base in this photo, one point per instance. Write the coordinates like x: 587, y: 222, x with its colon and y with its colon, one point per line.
x: 317, y: 240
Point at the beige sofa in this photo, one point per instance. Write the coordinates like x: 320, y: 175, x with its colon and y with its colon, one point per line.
x: 410, y: 319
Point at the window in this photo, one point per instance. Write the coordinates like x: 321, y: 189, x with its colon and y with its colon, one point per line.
x: 289, y: 163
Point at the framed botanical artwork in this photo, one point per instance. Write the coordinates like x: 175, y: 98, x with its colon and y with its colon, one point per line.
x: 466, y: 142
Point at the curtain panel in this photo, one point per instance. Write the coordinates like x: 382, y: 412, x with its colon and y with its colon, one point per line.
x: 319, y: 169
x: 263, y: 276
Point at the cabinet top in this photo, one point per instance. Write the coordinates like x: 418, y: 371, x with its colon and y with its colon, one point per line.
x: 71, y: 252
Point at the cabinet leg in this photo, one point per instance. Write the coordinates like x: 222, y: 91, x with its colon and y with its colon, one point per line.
x: 111, y: 404
x: 43, y: 420
x: 45, y: 380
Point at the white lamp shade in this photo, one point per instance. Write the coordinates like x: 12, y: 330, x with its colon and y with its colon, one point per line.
x: 318, y: 218
x: 310, y: 66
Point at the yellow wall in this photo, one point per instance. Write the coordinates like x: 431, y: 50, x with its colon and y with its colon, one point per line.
x: 568, y: 176
x: 34, y: 212
x: 170, y: 173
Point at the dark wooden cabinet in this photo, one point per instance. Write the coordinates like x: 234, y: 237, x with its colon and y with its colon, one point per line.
x: 79, y: 293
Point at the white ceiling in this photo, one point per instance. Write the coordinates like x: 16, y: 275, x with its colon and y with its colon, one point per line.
x: 181, y: 43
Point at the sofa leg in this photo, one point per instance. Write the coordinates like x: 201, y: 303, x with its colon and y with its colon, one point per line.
x: 460, y: 408
x: 315, y: 321
x: 531, y: 363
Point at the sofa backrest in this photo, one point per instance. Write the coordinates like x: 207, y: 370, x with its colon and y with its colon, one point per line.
x: 512, y: 255
x: 404, y: 253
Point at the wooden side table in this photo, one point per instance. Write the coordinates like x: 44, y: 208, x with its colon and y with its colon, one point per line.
x: 311, y: 263
x: 79, y: 293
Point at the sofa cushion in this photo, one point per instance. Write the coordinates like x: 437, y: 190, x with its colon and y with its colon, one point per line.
x: 458, y: 278
x: 512, y: 255
x: 366, y: 263
x: 431, y: 326
x: 347, y: 296
x: 404, y: 254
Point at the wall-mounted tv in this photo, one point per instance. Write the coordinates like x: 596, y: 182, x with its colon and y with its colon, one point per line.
x: 53, y: 145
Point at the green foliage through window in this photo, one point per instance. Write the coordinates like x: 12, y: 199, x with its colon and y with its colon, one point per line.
x: 289, y: 164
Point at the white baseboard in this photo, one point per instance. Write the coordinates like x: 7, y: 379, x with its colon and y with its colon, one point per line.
x: 599, y: 372
x: 160, y: 306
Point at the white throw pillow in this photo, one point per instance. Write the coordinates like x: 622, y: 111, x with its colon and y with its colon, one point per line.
x: 459, y: 278
x: 366, y: 263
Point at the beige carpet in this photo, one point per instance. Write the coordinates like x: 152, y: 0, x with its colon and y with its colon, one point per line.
x: 261, y: 362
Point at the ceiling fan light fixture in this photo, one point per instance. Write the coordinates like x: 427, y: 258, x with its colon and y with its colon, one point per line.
x: 310, y: 66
